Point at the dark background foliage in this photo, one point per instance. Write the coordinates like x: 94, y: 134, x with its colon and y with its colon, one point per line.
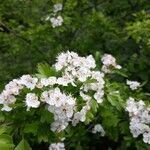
x: 119, y: 27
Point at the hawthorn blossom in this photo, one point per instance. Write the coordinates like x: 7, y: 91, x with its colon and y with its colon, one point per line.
x: 56, y: 21
x: 81, y: 115
x: 61, y: 105
x: 139, y: 119
x: 28, y: 81
x: 57, y: 146
x: 75, y: 67
x: 48, y: 81
x: 13, y: 87
x: 133, y: 84
x: 57, y: 7
x: 32, y: 100
x: 108, y: 62
x: 98, y: 129
x: 6, y: 108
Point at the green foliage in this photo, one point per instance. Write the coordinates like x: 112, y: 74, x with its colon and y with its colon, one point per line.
x: 23, y: 145
x: 119, y: 27
x: 6, y: 142
x: 45, y: 70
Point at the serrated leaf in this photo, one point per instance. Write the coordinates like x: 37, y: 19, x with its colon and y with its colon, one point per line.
x: 46, y: 116
x: 94, y: 106
x: 2, y: 130
x: 45, y: 70
x: 89, y: 117
x: 116, y: 101
x: 6, y: 142
x: 120, y: 72
x: 31, y: 127
x: 23, y: 145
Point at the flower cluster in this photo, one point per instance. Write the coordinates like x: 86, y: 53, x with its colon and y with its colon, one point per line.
x: 108, y: 62
x: 56, y: 20
x: 77, y: 68
x: 67, y: 106
x: 61, y: 105
x: 133, y: 84
x: 57, y: 146
x: 98, y: 129
x: 57, y: 7
x: 139, y: 119
x: 13, y: 88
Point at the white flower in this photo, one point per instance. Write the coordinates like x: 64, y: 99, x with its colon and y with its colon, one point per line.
x: 139, y: 119
x: 81, y: 115
x: 7, y: 98
x: 32, y: 100
x: 13, y: 87
x: 28, y: 81
x: 133, y: 84
x: 98, y: 96
x: 106, y: 69
x: 76, y: 118
x: 48, y: 81
x: 63, y: 81
x: 6, y: 108
x: 58, y: 126
x: 57, y: 7
x: 2, y: 99
x: 90, y: 62
x: 118, y: 67
x: 108, y: 62
x: 57, y: 146
x: 146, y: 137
x: 56, y: 21
x: 84, y: 96
x: 98, y: 128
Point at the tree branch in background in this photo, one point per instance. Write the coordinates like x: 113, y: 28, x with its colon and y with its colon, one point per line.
x: 6, y: 29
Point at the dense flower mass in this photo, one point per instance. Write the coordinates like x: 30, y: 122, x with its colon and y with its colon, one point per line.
x: 139, y: 119
x: 63, y: 106
x: 73, y: 106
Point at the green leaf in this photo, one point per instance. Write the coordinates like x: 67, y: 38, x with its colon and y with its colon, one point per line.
x: 46, y: 116
x: 2, y: 129
x: 23, y: 145
x: 116, y: 101
x: 45, y: 70
x: 142, y: 146
x: 89, y: 117
x: 6, y: 142
x: 31, y: 127
x: 94, y: 106
x: 120, y: 72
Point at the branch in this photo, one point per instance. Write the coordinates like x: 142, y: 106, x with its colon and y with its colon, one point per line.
x: 6, y: 29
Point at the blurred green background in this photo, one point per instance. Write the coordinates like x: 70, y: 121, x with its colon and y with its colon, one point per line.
x: 118, y: 27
